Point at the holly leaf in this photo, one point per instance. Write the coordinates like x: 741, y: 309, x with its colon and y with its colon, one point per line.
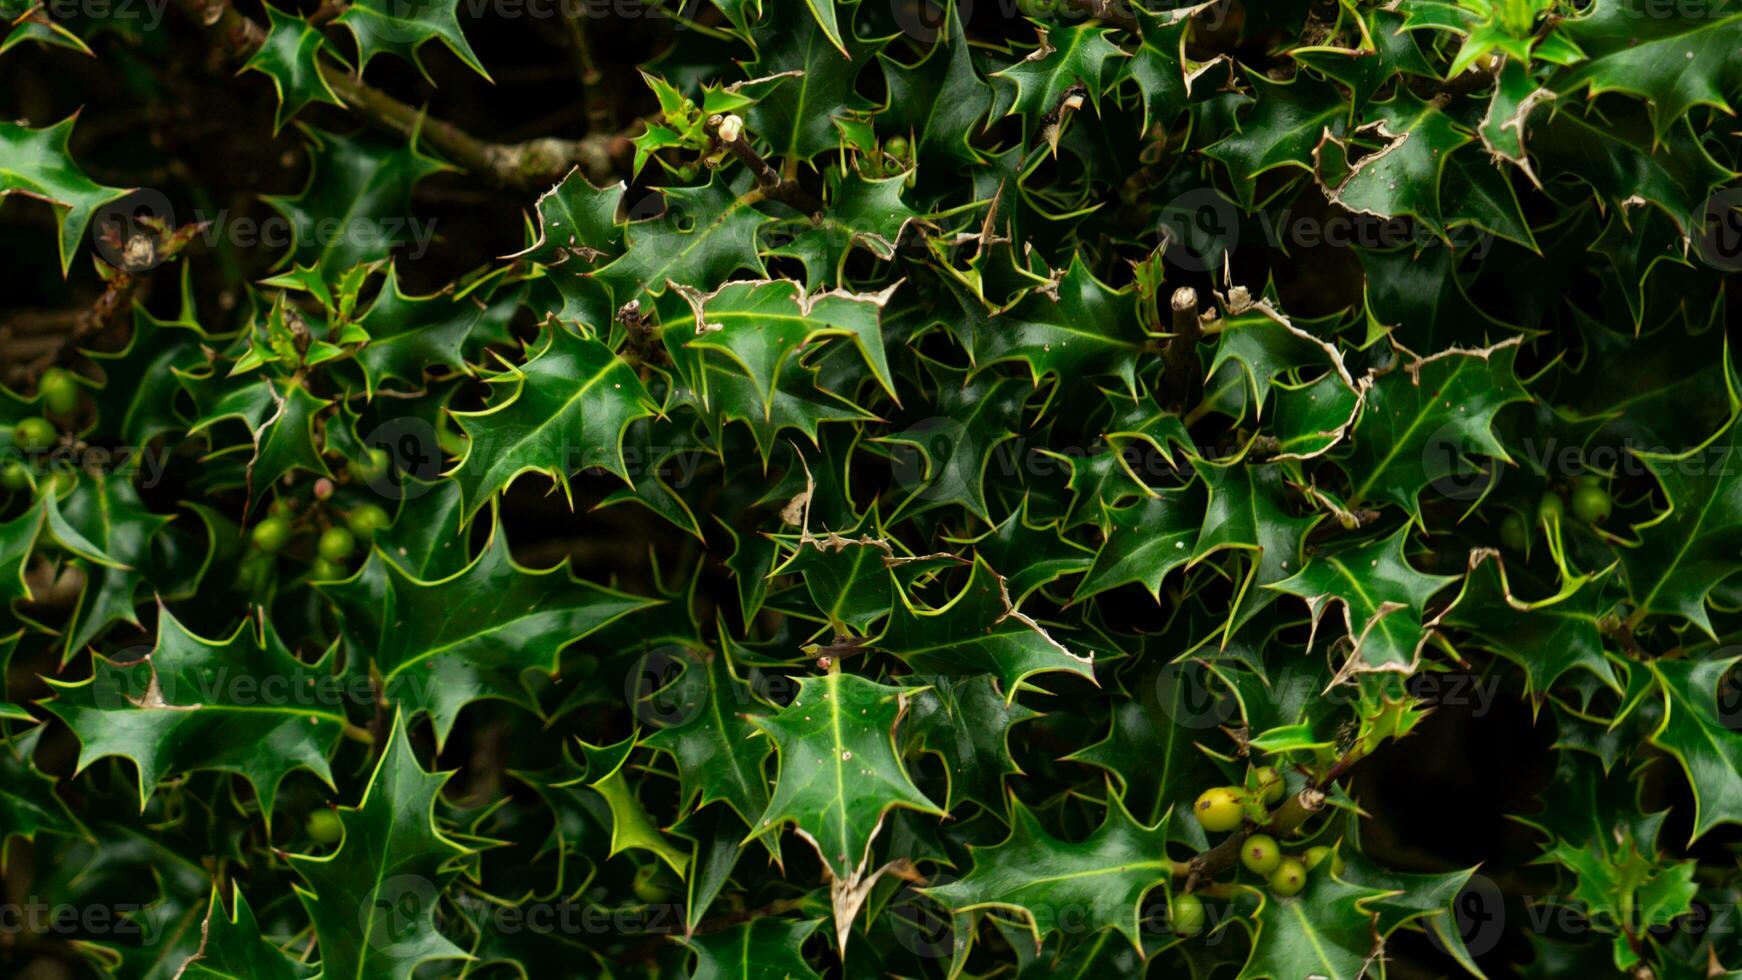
x: 631, y: 827
x: 1673, y: 63
x: 28, y: 803
x: 1693, y: 544
x: 567, y: 408
x: 941, y: 100
x: 1145, y: 541
x: 441, y: 644
x: 1158, y: 64
x: 1080, y: 328
x: 839, y: 772
x: 1069, y: 59
x: 401, y: 27
x: 137, y: 400
x: 978, y: 631
x: 1546, y: 637
x: 242, y: 704
x: 966, y: 722
x: 373, y: 900
x: 232, y: 948
x: 862, y: 213
x: 409, y: 335
x: 797, y: 119
x: 1283, y: 128
x: 1699, y: 728
x: 17, y: 541
x: 705, y: 234
x: 947, y: 455
x: 1102, y: 878
x: 846, y: 573
x: 764, y: 948
x: 36, y: 163
x: 1403, y: 176
x: 1151, y: 747
x: 103, y: 521
x: 761, y: 324
x: 290, y: 56
x: 1325, y: 931
x: 355, y: 206
x: 1384, y: 601
x: 1248, y: 511
x: 707, y: 731
x: 1423, y: 420
x: 1039, y: 552
x: 1415, y: 295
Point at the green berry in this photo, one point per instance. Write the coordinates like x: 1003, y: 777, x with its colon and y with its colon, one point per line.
x: 1260, y: 854
x: 1592, y: 504
x: 1185, y: 915
x: 1270, y: 785
x: 1288, y: 878
x: 326, y: 571
x: 895, y: 146
x: 336, y: 544
x: 59, y: 391
x: 371, y: 467
x: 1550, y: 509
x: 1593, y: 480
x: 281, y: 508
x: 647, y: 888
x: 254, y: 574
x: 1219, y: 809
x: 364, y: 521
x: 325, y: 827
x: 1514, y: 533
x: 1315, y: 856
x: 271, y: 535
x: 14, y: 476
x: 33, y: 435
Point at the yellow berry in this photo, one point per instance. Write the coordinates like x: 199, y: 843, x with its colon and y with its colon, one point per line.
x: 1219, y: 809
x: 1260, y: 854
x: 1185, y: 915
x: 1288, y: 878
x: 1270, y: 784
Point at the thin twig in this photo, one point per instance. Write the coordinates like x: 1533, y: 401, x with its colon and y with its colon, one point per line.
x: 528, y: 164
x: 729, y: 130
x: 1182, y: 350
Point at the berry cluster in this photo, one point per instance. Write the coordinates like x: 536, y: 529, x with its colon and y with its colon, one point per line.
x: 1221, y: 809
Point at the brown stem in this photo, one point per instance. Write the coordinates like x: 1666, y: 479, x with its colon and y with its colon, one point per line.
x: 1182, y: 350
x: 328, y: 10
x: 599, y: 108
x: 528, y: 164
x: 1284, y: 820
x: 1115, y: 12
x: 729, y: 130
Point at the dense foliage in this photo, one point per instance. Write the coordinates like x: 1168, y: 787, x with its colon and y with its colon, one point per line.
x: 885, y: 489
